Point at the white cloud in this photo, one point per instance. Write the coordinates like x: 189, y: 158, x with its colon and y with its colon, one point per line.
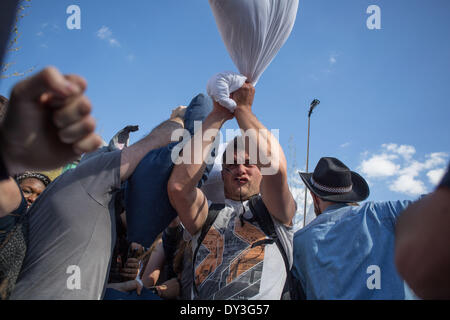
x: 436, y: 159
x: 106, y: 34
x: 345, y: 145
x: 380, y: 166
x: 405, y: 151
x: 332, y: 60
x: 47, y: 29
x: 435, y: 176
x: 297, y: 188
x: 405, y: 174
x: 409, y: 185
x: 114, y: 43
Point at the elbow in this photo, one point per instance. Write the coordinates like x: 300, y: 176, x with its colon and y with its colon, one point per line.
x: 175, y: 190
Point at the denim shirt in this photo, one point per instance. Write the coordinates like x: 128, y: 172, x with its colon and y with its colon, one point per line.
x: 347, y: 252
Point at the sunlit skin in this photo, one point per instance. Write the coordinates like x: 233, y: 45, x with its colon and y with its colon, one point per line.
x: 241, y: 181
x: 31, y: 189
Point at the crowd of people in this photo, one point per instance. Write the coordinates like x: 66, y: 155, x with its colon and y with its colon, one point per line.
x: 127, y: 222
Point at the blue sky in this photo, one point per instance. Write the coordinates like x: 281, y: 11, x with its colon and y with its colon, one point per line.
x: 384, y: 93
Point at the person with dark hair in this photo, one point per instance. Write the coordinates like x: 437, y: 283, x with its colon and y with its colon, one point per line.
x: 347, y: 252
x: 235, y: 256
x: 32, y: 185
x: 71, y: 224
x: 48, y: 124
x: 422, y: 255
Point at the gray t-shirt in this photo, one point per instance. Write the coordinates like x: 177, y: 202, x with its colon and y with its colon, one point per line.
x: 72, y: 234
x: 230, y: 265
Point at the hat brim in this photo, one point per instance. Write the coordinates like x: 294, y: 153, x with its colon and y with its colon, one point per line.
x: 360, y: 190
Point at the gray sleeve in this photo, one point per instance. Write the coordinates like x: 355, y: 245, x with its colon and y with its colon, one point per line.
x: 100, y: 176
x: 286, y: 236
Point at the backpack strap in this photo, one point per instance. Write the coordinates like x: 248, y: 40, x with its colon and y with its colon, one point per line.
x: 213, y: 212
x: 265, y: 221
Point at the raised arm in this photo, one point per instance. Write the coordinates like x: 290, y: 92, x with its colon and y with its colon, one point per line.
x: 154, y: 266
x: 158, y: 138
x: 189, y: 201
x: 48, y: 124
x: 271, y: 160
x: 10, y: 197
x: 421, y: 250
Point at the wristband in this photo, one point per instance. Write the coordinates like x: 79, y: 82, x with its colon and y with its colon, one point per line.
x: 446, y: 180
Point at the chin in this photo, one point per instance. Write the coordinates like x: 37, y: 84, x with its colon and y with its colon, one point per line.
x: 236, y: 196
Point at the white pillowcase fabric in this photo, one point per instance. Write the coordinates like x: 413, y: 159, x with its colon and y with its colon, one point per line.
x: 253, y: 32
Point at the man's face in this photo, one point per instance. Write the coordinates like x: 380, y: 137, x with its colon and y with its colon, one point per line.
x: 31, y: 189
x: 241, y: 181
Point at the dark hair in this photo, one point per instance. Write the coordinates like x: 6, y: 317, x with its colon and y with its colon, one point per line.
x: 3, y: 107
x: 233, y: 146
x: 34, y: 175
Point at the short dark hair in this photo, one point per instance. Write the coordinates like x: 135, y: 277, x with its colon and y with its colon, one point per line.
x: 3, y: 107
x: 33, y: 175
x: 233, y: 146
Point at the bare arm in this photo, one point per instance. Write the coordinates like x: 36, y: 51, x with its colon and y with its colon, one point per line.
x: 159, y: 137
x: 154, y: 266
x: 48, y: 123
x: 126, y: 286
x: 421, y: 250
x: 10, y: 197
x: 189, y: 201
x: 271, y: 160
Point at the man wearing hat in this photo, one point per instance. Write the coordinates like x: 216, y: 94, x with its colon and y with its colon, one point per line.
x: 347, y: 252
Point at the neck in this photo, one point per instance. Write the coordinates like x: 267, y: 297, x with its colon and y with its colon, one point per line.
x: 323, y: 205
x: 239, y: 197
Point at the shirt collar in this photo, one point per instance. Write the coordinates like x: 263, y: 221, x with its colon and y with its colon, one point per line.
x: 334, y: 207
x: 235, y: 204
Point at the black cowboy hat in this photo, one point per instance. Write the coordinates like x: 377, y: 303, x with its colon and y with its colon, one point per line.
x: 333, y: 181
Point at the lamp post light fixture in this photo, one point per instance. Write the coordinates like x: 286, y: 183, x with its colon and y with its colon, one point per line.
x: 314, y: 104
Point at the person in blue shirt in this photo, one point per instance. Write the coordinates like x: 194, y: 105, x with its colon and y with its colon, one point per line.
x: 347, y: 252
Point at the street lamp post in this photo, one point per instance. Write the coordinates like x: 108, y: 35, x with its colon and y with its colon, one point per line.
x: 314, y: 104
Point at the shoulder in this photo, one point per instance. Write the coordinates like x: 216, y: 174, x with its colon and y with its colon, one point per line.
x: 214, y: 209
x: 102, y: 159
x: 393, y: 207
x: 104, y: 166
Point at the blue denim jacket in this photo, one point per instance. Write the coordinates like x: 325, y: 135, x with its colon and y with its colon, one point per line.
x: 347, y: 252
